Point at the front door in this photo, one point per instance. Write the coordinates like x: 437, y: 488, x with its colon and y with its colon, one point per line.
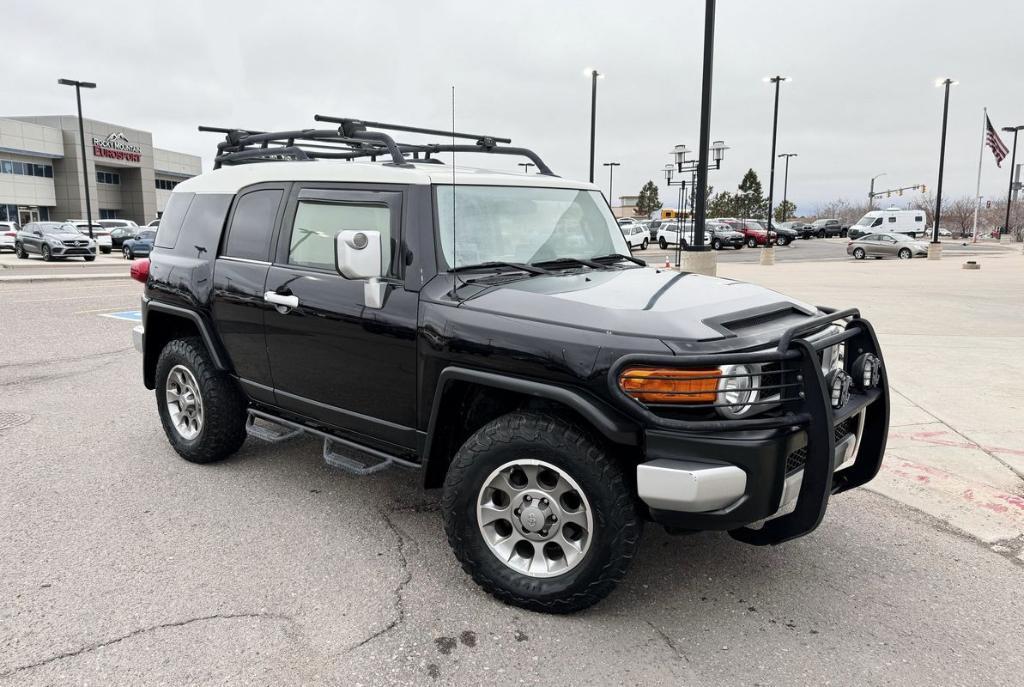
x: 26, y: 215
x: 333, y: 358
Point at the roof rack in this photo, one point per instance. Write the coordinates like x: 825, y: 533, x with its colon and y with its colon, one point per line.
x: 353, y: 140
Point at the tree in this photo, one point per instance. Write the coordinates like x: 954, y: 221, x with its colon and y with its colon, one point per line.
x: 723, y: 205
x: 841, y: 209
x: 960, y: 214
x: 750, y: 202
x: 648, y: 200
x: 784, y: 210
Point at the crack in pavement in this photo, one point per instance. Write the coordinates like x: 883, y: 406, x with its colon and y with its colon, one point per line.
x: 668, y: 642
x: 134, y: 633
x: 67, y: 359
x: 398, y: 593
x: 963, y: 436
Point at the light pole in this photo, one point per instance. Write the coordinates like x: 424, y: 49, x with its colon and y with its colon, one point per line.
x: 942, y: 162
x: 1013, y: 161
x: 669, y: 173
x: 79, y: 85
x: 777, y: 80
x: 682, y: 165
x: 526, y: 166
x: 871, y: 191
x: 701, y: 205
x: 785, y: 183
x: 611, y: 171
x: 594, y: 76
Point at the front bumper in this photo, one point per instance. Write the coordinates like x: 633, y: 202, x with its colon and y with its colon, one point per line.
x: 765, y: 479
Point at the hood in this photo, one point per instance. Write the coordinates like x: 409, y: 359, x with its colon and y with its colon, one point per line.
x: 644, y: 302
x: 65, y: 235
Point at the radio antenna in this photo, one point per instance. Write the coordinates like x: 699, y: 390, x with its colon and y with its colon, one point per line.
x: 455, y: 242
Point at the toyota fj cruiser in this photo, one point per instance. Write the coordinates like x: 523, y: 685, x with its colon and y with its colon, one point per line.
x: 492, y: 331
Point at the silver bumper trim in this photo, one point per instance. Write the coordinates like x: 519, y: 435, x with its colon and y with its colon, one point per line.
x: 688, y: 486
x: 137, y: 333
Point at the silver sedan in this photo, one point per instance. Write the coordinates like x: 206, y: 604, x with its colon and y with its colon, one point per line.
x: 886, y: 245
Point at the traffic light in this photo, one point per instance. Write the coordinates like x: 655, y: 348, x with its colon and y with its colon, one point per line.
x: 988, y: 204
x: 924, y: 189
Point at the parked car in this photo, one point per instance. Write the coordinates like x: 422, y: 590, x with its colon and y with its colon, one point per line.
x: 8, y: 232
x: 636, y: 235
x: 784, y: 234
x: 723, y: 235
x: 909, y: 222
x: 803, y: 229
x: 559, y: 390
x: 886, y: 245
x: 669, y: 234
x: 828, y: 228
x: 755, y: 234
x: 52, y: 241
x: 120, y: 230
x: 153, y: 224
x: 140, y: 246
x: 100, y: 234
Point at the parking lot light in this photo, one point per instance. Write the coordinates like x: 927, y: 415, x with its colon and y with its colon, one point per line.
x: 594, y: 76
x: 775, y: 129
x: 1013, y: 163
x: 933, y: 253
x: 79, y: 85
x: 785, y: 183
x: 611, y: 172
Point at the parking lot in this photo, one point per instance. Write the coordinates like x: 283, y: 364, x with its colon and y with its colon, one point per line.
x: 123, y: 563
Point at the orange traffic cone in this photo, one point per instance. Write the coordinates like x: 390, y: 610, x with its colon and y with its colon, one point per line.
x: 667, y: 263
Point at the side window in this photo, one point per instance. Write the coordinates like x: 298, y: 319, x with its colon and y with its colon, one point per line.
x: 892, y: 218
x: 174, y: 216
x: 918, y: 218
x: 318, y: 223
x: 252, y: 225
x: 877, y: 222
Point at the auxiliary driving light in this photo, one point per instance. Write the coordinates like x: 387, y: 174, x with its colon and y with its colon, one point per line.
x: 867, y: 371
x: 838, y: 388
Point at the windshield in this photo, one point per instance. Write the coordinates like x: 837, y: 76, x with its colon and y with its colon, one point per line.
x: 865, y: 221
x: 147, y: 235
x: 524, y: 224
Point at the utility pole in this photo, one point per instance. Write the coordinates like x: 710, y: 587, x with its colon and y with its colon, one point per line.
x: 79, y: 85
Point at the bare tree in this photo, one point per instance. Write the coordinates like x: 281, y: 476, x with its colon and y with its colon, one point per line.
x: 841, y: 209
x: 960, y: 213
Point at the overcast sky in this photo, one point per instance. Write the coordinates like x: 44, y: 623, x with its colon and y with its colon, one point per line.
x: 862, y: 102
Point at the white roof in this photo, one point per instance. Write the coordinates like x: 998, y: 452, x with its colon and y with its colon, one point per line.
x: 234, y: 177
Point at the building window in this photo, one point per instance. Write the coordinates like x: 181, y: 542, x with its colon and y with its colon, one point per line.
x: 109, y: 214
x: 108, y: 178
x: 166, y: 184
x: 26, y: 168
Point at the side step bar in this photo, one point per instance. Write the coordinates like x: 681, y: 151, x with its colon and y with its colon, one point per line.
x: 339, y: 453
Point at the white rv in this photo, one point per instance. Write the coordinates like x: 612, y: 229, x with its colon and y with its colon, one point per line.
x: 909, y: 222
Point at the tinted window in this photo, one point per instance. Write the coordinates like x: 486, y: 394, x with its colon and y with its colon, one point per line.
x: 252, y: 225
x: 877, y: 222
x: 172, y: 219
x: 892, y: 219
x: 918, y: 218
x: 317, y: 225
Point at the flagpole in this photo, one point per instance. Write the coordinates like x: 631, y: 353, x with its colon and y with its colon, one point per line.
x: 977, y: 190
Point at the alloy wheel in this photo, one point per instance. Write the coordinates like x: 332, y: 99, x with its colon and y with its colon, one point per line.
x: 534, y: 518
x: 184, y: 402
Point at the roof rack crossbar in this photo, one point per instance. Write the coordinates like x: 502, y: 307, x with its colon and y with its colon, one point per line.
x: 345, y: 121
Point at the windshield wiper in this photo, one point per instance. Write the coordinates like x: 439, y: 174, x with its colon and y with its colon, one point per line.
x: 578, y: 261
x: 615, y: 257
x: 495, y: 264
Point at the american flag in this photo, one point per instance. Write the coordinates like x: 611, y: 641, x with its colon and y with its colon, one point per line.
x: 993, y: 141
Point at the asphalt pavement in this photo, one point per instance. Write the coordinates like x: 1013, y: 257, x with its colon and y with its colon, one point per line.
x: 123, y: 564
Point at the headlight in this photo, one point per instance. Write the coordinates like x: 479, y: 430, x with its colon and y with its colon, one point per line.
x: 55, y: 242
x: 737, y: 388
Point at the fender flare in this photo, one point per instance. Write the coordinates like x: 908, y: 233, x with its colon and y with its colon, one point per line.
x: 217, y: 353
x: 604, y: 419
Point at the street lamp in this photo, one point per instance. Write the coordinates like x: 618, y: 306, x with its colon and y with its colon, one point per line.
x: 79, y: 85
x: 785, y: 183
x: 777, y: 80
x: 669, y: 173
x: 594, y: 76
x: 942, y: 161
x: 682, y: 165
x: 611, y: 171
x: 871, y: 191
x: 1013, y: 161
x: 526, y: 166
x: 701, y: 204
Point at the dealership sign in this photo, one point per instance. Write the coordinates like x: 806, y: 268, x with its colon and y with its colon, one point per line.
x: 117, y: 147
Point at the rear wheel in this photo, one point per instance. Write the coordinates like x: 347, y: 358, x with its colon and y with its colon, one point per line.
x: 752, y: 242
x: 539, y: 514
x: 905, y: 254
x: 662, y: 243
x: 127, y: 253
x: 859, y: 253
x: 202, y: 409
x: 19, y: 250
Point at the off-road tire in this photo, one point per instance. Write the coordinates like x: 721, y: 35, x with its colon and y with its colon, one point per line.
x: 858, y: 254
x: 617, y: 526
x: 224, y: 405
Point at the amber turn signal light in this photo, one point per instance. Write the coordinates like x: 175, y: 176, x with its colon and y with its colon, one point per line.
x: 670, y: 385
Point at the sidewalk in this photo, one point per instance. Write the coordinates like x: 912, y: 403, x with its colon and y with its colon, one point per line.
x: 952, y: 339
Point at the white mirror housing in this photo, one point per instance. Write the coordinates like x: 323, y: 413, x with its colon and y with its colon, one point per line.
x: 358, y: 254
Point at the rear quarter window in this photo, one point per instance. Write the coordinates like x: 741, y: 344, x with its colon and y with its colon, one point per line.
x: 172, y: 219
x: 252, y: 225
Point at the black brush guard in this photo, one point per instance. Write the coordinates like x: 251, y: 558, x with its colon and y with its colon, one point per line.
x: 811, y: 411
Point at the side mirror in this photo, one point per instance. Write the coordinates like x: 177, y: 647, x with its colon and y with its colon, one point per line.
x: 358, y: 254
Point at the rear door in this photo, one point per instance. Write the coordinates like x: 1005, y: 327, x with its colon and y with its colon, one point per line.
x: 333, y: 358
x: 239, y: 281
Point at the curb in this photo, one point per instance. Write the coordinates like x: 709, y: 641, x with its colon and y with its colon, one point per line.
x: 32, y: 278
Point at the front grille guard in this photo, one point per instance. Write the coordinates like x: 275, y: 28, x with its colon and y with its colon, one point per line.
x: 810, y: 409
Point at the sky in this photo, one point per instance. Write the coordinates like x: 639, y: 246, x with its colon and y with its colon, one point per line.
x: 862, y: 101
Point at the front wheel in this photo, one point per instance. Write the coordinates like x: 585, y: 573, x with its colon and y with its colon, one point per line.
x: 127, y: 253
x: 47, y: 255
x: 905, y: 254
x: 662, y: 243
x: 539, y: 514
x: 90, y: 258
x: 858, y: 253
x: 643, y: 246
x: 751, y: 242
x: 781, y: 241
x: 822, y: 234
x: 716, y: 244
x: 202, y: 409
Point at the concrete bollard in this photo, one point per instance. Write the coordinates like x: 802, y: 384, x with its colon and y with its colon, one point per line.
x: 934, y: 251
x: 767, y: 255
x: 700, y: 262
x: 971, y: 265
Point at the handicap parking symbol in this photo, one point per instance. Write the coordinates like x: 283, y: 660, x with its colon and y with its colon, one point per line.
x: 130, y: 315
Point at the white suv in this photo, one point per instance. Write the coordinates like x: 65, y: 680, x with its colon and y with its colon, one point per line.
x: 100, y: 234
x: 668, y: 234
x: 8, y: 232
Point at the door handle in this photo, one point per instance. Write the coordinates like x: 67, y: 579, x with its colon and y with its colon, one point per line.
x: 281, y: 300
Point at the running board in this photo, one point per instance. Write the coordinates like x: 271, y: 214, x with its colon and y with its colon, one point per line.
x: 339, y: 453
x: 272, y: 435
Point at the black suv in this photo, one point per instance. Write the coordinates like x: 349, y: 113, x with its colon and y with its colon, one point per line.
x: 492, y: 331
